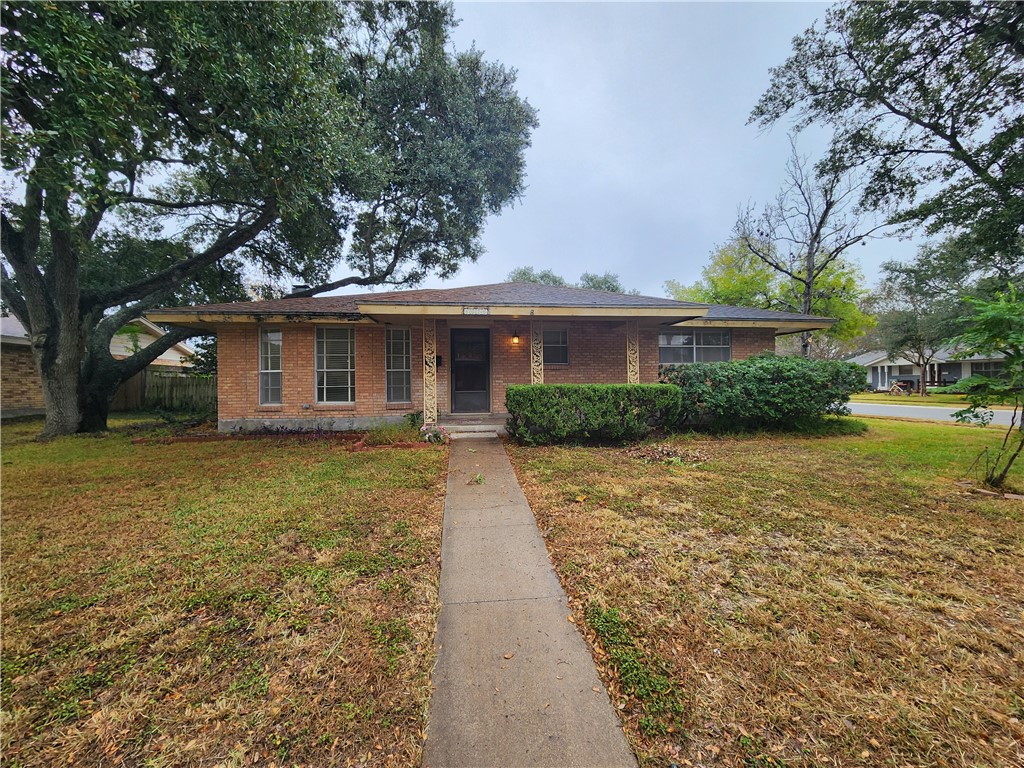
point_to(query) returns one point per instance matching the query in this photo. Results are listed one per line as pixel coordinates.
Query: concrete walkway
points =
(514, 683)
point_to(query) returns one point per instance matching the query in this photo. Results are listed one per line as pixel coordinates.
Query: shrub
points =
(573, 413)
(763, 392)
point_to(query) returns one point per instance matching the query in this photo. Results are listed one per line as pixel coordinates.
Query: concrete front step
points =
(480, 429)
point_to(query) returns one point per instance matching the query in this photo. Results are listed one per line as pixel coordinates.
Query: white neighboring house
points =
(20, 389)
(944, 370)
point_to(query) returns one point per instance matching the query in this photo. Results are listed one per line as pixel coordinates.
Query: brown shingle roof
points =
(495, 295)
(729, 312)
(498, 294)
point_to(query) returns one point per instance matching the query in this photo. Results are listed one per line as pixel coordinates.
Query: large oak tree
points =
(168, 152)
(927, 99)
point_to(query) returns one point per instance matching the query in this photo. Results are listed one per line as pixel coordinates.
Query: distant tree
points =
(918, 315)
(928, 100)
(812, 223)
(166, 151)
(606, 282)
(204, 361)
(732, 276)
(996, 326)
(736, 276)
(530, 275)
(609, 281)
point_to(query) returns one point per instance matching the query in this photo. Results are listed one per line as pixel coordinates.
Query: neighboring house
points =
(944, 370)
(342, 362)
(20, 390)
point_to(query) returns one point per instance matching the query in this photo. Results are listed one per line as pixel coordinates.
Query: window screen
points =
(398, 364)
(270, 367)
(714, 345)
(335, 365)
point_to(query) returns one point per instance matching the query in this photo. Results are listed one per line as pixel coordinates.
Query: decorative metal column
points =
(536, 352)
(429, 372)
(632, 352)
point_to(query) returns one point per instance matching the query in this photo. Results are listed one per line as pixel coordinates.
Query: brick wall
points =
(747, 342)
(597, 355)
(19, 382)
(238, 374)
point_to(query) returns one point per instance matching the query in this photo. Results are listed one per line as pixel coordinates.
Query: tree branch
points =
(227, 243)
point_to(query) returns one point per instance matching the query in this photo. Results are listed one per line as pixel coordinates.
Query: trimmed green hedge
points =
(573, 413)
(763, 392)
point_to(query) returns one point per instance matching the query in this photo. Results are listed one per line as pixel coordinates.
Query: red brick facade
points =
(747, 342)
(597, 355)
(20, 388)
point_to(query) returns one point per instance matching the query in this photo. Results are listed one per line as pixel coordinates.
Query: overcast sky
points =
(643, 154)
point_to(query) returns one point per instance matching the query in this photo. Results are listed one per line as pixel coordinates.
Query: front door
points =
(471, 370)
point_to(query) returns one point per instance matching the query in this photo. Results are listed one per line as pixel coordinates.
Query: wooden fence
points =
(168, 391)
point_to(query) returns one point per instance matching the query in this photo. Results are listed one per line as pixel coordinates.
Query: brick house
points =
(344, 362)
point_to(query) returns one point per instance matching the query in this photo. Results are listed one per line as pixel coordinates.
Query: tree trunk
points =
(58, 367)
(101, 376)
(96, 401)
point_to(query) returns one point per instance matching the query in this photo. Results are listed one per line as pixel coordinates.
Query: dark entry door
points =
(471, 370)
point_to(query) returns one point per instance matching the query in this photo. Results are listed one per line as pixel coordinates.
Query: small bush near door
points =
(764, 392)
(574, 413)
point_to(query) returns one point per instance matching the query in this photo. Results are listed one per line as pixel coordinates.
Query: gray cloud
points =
(643, 153)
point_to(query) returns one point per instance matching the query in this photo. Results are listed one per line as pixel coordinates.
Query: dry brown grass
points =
(770, 601)
(253, 602)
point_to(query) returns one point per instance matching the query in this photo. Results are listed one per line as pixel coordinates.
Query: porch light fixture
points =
(515, 337)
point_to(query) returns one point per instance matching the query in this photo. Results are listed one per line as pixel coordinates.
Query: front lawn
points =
(231, 603)
(773, 601)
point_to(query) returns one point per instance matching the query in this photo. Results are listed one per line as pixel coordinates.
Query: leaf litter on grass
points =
(815, 601)
(264, 601)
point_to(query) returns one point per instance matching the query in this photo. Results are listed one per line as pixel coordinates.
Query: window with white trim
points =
(335, 365)
(270, 367)
(697, 346)
(398, 364)
(990, 368)
(556, 347)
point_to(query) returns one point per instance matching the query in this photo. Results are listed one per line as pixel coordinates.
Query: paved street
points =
(932, 412)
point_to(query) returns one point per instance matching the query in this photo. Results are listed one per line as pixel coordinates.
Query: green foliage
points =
(763, 392)
(606, 282)
(176, 152)
(733, 276)
(928, 99)
(531, 275)
(575, 413)
(609, 281)
(204, 361)
(737, 277)
(920, 307)
(645, 678)
(996, 326)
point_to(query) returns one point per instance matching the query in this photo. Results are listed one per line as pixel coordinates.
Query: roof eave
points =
(782, 327)
(209, 320)
(528, 310)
